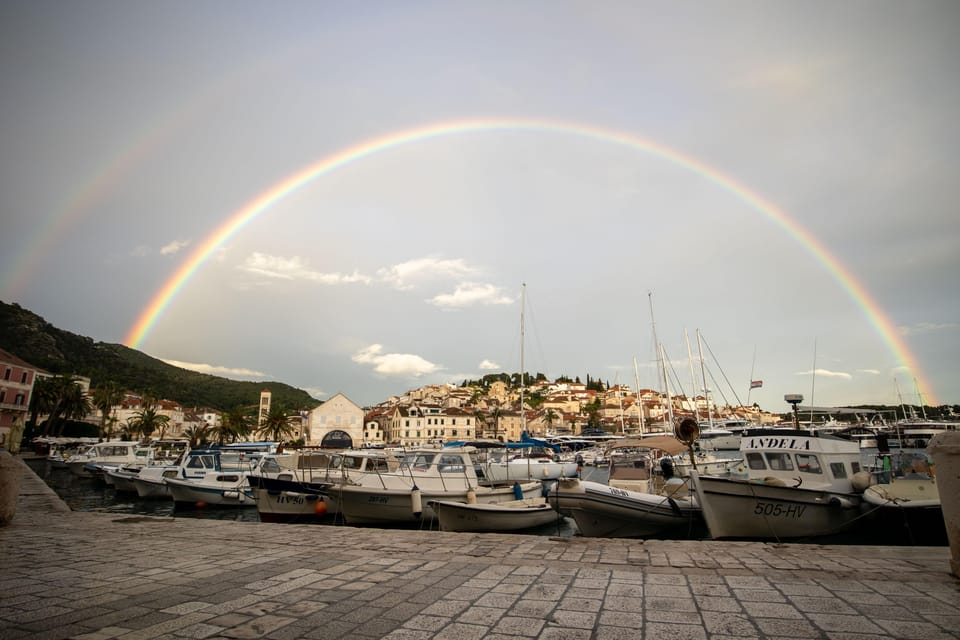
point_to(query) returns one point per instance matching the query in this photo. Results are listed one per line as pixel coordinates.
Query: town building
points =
(16, 385)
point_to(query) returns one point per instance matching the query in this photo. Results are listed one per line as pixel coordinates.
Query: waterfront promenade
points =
(96, 576)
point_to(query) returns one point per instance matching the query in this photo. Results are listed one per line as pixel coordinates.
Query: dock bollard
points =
(944, 448)
(10, 471)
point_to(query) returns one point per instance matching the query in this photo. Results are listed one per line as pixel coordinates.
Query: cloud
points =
(926, 327)
(468, 294)
(489, 365)
(394, 364)
(295, 268)
(872, 372)
(140, 251)
(216, 370)
(173, 247)
(826, 373)
(403, 275)
(316, 392)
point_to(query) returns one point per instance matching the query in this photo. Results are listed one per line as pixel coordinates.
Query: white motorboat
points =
(423, 475)
(111, 454)
(292, 488)
(800, 484)
(642, 498)
(499, 517)
(525, 462)
(197, 465)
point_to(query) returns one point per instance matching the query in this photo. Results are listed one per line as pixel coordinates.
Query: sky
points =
(366, 198)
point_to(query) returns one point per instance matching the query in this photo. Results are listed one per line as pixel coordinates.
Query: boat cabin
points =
(797, 457)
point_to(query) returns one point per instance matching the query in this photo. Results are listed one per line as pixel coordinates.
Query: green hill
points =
(30, 337)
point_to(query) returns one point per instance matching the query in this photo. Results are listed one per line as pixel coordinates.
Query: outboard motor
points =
(666, 468)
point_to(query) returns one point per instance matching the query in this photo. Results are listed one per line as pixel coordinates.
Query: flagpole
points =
(752, 368)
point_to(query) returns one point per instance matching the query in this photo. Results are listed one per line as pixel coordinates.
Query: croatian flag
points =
(755, 384)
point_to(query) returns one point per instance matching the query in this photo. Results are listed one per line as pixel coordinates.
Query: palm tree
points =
(197, 435)
(549, 417)
(43, 399)
(276, 425)
(71, 403)
(105, 397)
(234, 424)
(148, 420)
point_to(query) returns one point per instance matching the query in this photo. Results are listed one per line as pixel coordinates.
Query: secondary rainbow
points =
(262, 202)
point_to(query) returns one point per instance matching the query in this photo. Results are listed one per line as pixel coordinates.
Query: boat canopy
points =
(669, 444)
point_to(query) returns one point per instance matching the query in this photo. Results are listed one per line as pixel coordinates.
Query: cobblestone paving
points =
(97, 576)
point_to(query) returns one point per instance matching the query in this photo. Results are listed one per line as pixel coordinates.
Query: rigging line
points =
(722, 372)
(676, 378)
(716, 384)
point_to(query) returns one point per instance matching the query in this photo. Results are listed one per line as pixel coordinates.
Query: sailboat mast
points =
(636, 378)
(813, 381)
(923, 410)
(523, 307)
(693, 378)
(666, 381)
(703, 375)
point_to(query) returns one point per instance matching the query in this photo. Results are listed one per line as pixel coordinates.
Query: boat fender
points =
(546, 472)
(231, 495)
(861, 480)
(517, 491)
(843, 503)
(416, 503)
(471, 496)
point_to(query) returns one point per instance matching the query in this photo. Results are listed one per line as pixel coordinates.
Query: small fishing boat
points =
(498, 517)
(904, 507)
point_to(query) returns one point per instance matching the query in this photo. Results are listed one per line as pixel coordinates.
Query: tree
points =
(276, 425)
(105, 397)
(148, 420)
(71, 403)
(549, 417)
(234, 424)
(43, 399)
(197, 435)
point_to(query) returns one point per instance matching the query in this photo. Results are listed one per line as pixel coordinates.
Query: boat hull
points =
(187, 493)
(603, 511)
(515, 515)
(280, 500)
(372, 505)
(757, 511)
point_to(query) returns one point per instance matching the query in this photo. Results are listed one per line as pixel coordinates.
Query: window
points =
(23, 378)
(3, 396)
(808, 463)
(451, 464)
(19, 400)
(779, 461)
(838, 470)
(755, 460)
(6, 376)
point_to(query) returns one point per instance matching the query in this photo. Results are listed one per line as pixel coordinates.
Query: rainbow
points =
(266, 199)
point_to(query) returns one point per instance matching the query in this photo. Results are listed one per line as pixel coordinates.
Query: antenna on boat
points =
(795, 399)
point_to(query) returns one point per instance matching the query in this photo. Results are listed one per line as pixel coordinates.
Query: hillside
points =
(30, 337)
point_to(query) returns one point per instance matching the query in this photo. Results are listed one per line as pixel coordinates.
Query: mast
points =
(636, 377)
(667, 388)
(703, 375)
(900, 397)
(693, 378)
(523, 307)
(813, 381)
(623, 429)
(923, 410)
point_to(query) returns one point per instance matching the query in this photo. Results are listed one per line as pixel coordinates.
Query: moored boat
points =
(404, 495)
(801, 484)
(499, 517)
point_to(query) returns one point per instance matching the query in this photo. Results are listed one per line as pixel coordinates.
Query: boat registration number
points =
(619, 492)
(778, 510)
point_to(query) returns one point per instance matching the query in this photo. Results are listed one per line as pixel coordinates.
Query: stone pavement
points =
(94, 576)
